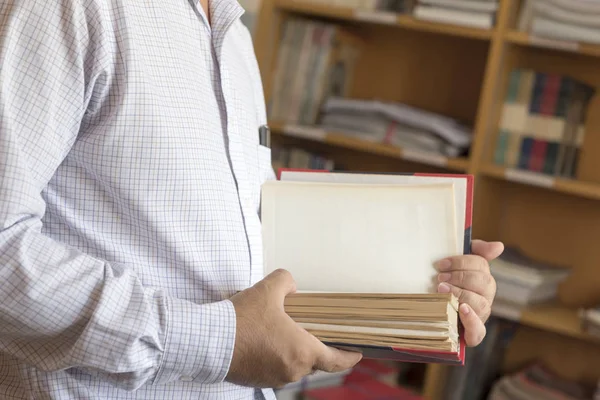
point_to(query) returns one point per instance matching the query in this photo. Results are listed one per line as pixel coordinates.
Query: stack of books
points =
(396, 124)
(590, 319)
(298, 158)
(470, 13)
(315, 60)
(566, 20)
(522, 281)
(543, 123)
(362, 250)
(536, 382)
(395, 6)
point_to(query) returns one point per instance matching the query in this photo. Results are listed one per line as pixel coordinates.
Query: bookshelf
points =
(379, 18)
(464, 73)
(523, 39)
(342, 141)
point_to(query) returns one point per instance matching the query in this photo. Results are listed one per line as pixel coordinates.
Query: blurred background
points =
(505, 90)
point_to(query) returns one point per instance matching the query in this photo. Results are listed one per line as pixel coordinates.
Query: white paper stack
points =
(522, 282)
(471, 13)
(396, 124)
(566, 20)
(590, 319)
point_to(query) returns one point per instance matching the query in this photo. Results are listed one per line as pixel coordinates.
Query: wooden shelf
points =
(344, 141)
(548, 317)
(525, 39)
(573, 187)
(381, 17)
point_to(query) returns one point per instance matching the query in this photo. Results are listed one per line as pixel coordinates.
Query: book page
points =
(358, 237)
(460, 189)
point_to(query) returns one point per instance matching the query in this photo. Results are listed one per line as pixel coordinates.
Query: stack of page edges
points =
(409, 321)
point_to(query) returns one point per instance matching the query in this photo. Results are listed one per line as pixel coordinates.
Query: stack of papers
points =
(471, 13)
(396, 124)
(522, 281)
(535, 383)
(570, 20)
(591, 321)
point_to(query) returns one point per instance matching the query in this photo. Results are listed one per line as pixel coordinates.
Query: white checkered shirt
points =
(130, 170)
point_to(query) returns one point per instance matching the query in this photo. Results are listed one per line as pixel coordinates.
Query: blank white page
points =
(460, 189)
(358, 237)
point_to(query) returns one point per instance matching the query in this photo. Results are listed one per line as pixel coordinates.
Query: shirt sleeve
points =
(62, 308)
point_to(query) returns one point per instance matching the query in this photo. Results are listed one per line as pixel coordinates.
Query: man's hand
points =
(271, 350)
(469, 278)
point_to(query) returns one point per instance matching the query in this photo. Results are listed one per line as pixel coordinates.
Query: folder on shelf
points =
(362, 249)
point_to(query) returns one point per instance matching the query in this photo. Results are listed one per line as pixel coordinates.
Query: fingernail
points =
(444, 265)
(443, 288)
(444, 277)
(465, 309)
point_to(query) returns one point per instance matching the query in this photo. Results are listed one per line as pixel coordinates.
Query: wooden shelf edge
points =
(525, 39)
(588, 190)
(341, 140)
(553, 318)
(383, 18)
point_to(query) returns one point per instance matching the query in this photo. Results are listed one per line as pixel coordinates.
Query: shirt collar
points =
(223, 13)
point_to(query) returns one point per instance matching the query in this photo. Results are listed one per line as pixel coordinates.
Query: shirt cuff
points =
(199, 342)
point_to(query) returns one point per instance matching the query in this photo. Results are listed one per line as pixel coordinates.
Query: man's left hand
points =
(469, 278)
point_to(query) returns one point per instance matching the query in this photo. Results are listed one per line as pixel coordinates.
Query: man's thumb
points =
(280, 281)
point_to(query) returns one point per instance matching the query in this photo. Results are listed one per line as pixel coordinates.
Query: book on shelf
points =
(542, 126)
(391, 6)
(362, 248)
(590, 321)
(396, 124)
(469, 13)
(298, 158)
(537, 382)
(522, 281)
(564, 20)
(315, 60)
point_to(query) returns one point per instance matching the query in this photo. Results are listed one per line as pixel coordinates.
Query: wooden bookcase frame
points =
(553, 219)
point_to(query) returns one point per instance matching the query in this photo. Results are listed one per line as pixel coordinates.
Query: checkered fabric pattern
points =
(130, 172)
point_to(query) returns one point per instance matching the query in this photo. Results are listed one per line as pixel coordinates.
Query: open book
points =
(362, 249)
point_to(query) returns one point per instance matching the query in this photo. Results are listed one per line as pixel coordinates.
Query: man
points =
(130, 172)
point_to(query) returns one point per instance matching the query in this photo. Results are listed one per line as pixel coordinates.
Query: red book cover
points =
(538, 155)
(410, 355)
(550, 94)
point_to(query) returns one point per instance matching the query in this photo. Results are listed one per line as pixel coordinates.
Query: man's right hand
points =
(271, 350)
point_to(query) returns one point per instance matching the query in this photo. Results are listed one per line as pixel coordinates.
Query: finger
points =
(280, 281)
(479, 282)
(487, 250)
(468, 262)
(474, 328)
(331, 359)
(477, 302)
